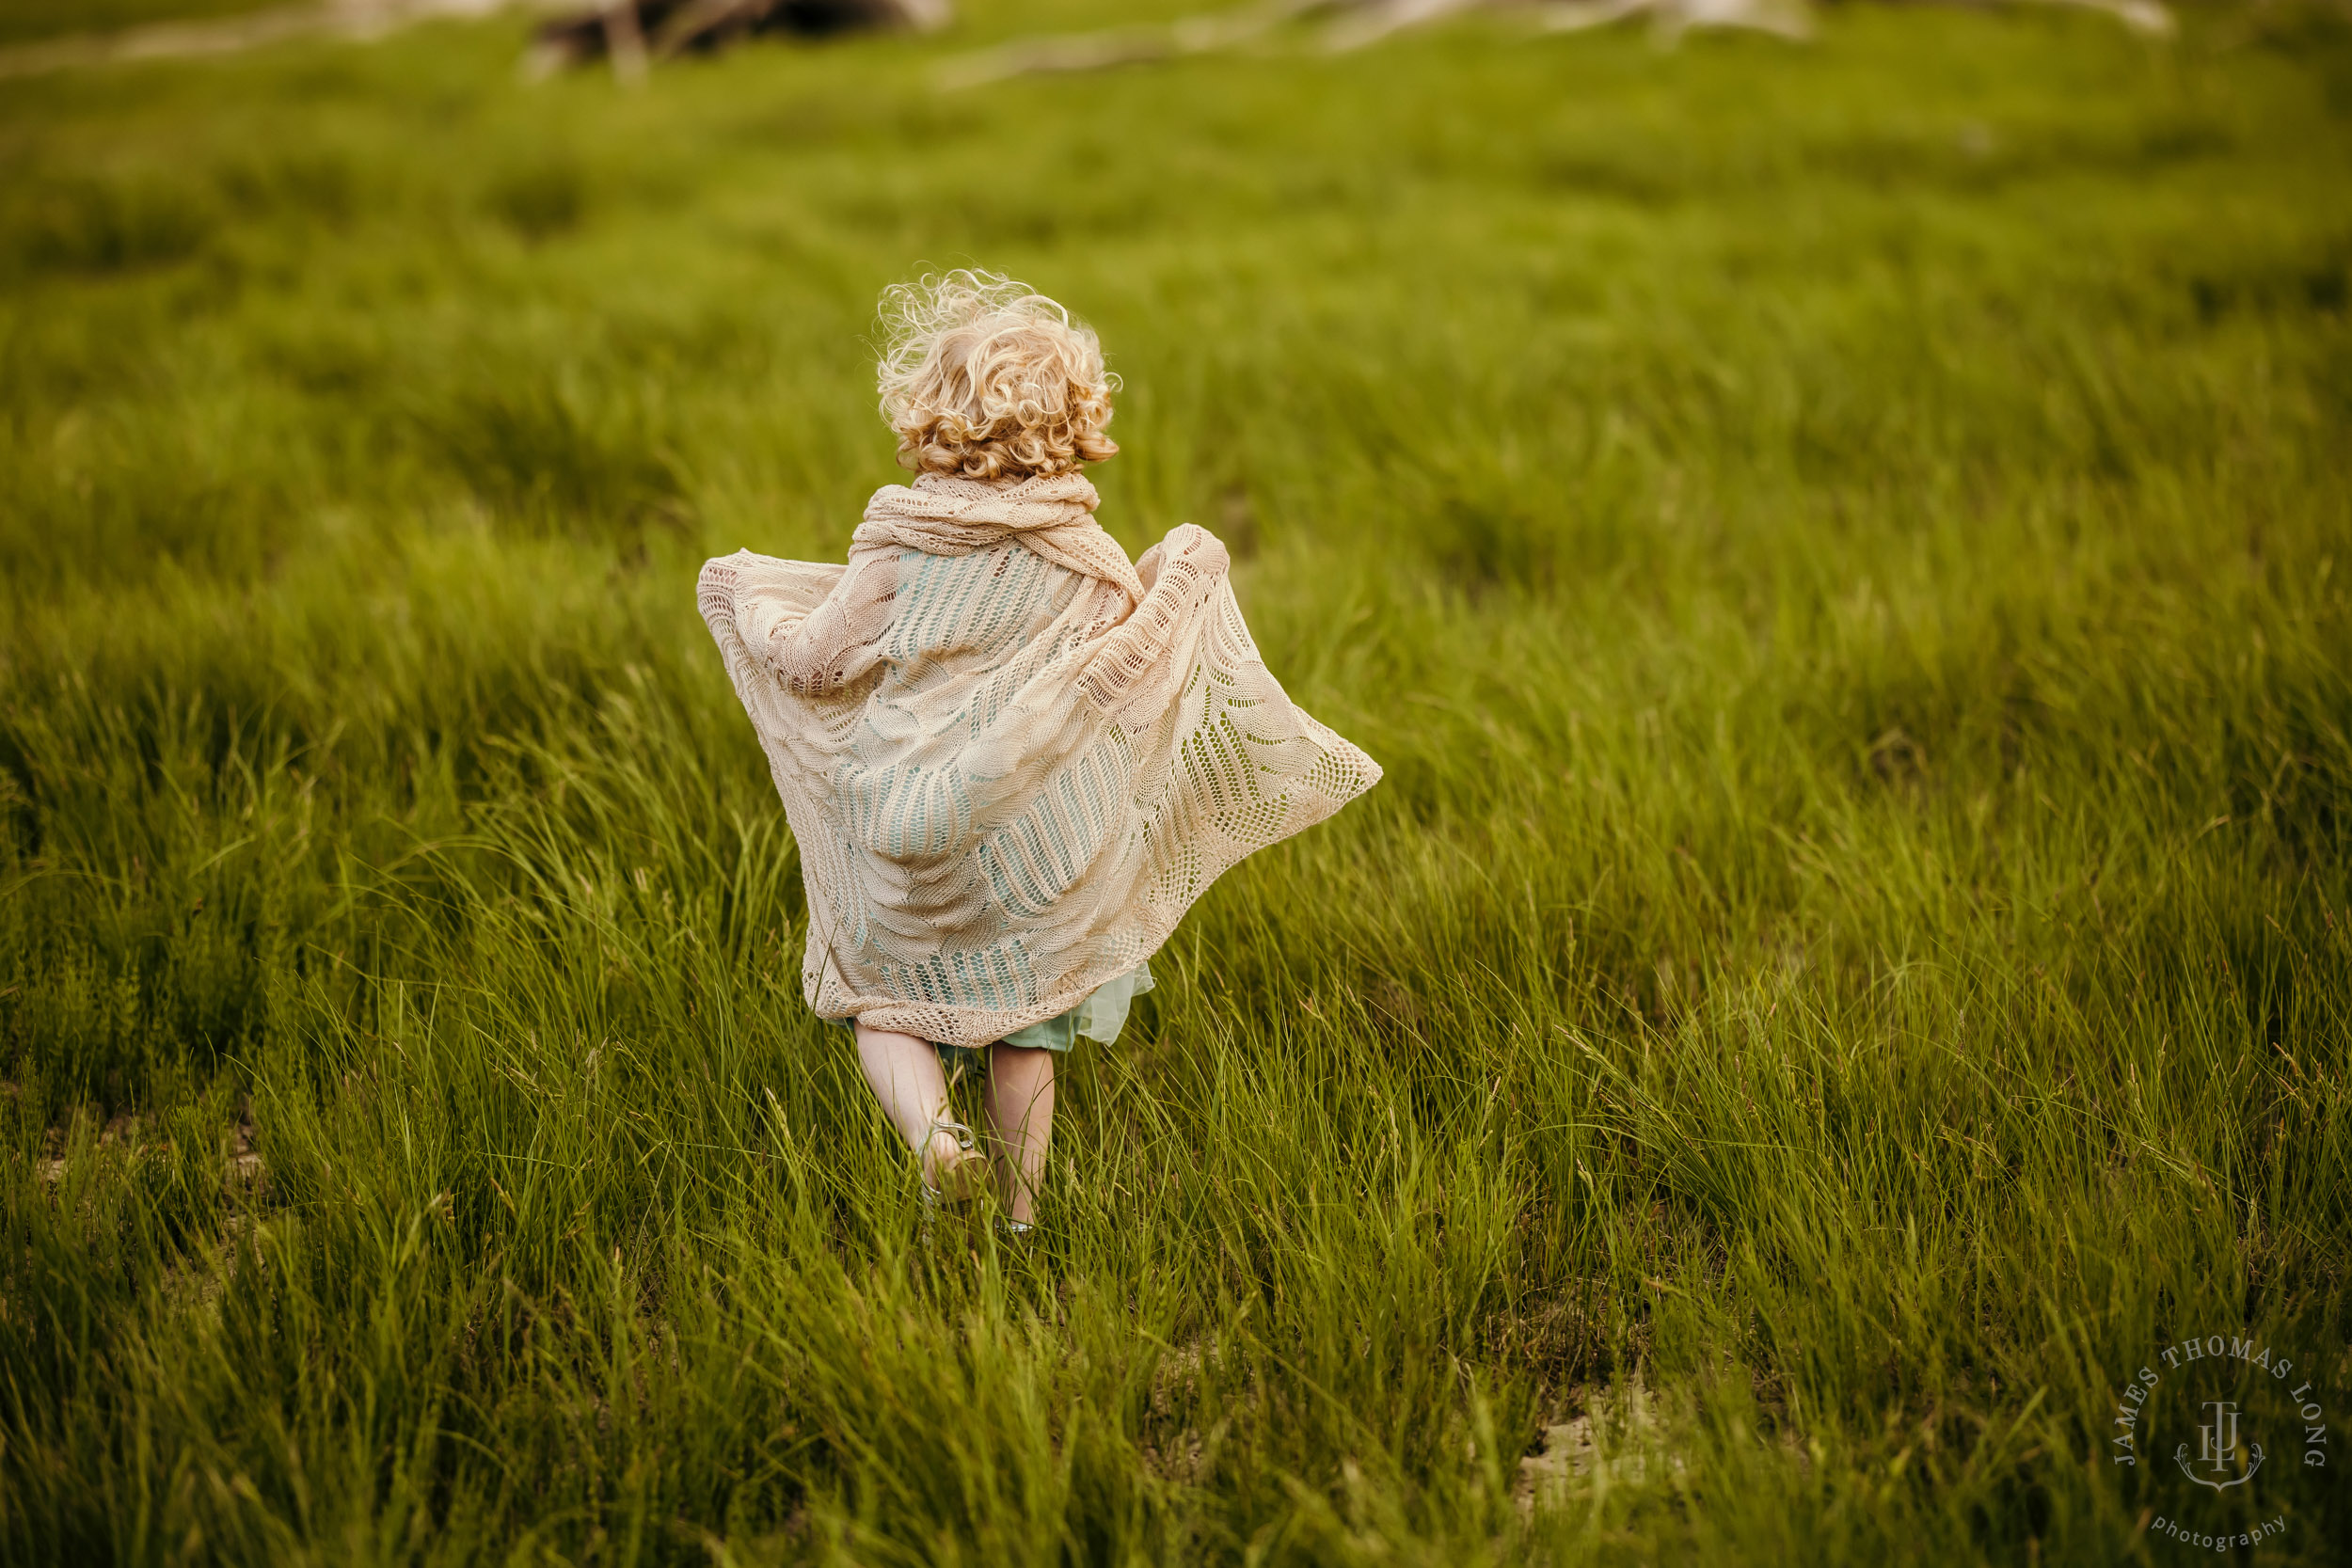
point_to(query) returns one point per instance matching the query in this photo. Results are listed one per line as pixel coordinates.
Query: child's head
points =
(983, 378)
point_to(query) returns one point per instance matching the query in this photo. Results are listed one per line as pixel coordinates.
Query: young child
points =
(1010, 757)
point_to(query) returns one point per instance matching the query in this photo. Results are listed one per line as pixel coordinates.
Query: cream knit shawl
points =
(1011, 759)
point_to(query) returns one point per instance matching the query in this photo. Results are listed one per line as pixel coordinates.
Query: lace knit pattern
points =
(1011, 759)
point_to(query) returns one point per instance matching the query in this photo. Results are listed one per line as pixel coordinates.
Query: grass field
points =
(1840, 549)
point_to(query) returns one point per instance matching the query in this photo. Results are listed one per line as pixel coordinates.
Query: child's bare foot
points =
(951, 1167)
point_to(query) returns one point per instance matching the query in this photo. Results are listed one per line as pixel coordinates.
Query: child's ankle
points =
(948, 1165)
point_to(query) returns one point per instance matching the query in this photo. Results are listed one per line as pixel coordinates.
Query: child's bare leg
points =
(1020, 1122)
(903, 1072)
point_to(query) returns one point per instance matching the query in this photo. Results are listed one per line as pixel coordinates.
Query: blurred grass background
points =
(1836, 548)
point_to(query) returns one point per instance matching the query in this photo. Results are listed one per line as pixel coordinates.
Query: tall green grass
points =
(1839, 551)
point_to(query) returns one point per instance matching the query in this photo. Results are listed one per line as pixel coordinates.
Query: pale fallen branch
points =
(1067, 52)
(1358, 23)
(619, 32)
(669, 27)
(1370, 21)
(2150, 17)
(171, 40)
(1355, 23)
(1789, 19)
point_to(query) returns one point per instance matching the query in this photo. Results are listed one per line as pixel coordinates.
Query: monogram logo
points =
(2218, 1447)
(2234, 1391)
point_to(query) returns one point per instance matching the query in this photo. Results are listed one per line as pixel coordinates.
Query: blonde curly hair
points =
(986, 378)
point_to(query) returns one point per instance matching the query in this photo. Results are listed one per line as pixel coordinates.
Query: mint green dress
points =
(1100, 1017)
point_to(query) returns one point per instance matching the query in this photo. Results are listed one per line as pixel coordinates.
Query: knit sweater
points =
(1011, 759)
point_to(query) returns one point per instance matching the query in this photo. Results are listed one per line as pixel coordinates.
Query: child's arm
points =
(1180, 575)
(812, 626)
(838, 642)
